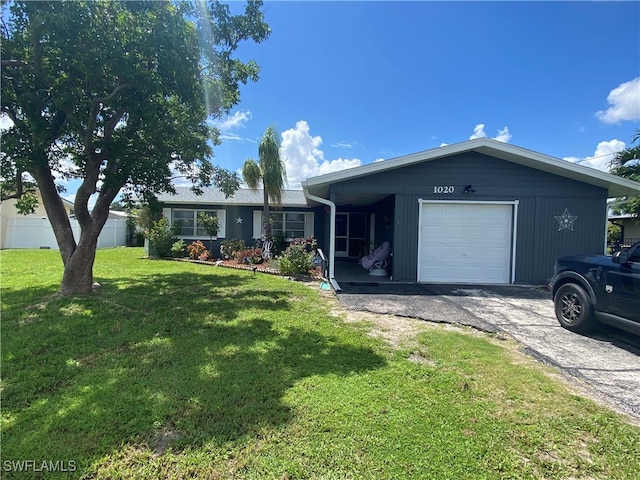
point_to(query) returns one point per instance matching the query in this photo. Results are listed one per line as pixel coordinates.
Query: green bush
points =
(178, 248)
(250, 256)
(310, 244)
(279, 244)
(296, 259)
(229, 249)
(161, 238)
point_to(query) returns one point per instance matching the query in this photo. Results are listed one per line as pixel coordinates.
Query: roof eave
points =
(615, 186)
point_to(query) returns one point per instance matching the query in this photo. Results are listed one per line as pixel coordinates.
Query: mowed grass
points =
(176, 370)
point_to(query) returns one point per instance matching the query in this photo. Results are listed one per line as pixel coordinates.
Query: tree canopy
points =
(118, 95)
(627, 164)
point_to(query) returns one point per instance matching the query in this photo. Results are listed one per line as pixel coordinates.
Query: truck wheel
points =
(573, 308)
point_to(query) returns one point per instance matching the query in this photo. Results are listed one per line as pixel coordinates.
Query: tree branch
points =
(17, 64)
(111, 124)
(88, 135)
(95, 105)
(19, 188)
(116, 91)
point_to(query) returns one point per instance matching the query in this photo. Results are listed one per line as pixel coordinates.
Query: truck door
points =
(622, 284)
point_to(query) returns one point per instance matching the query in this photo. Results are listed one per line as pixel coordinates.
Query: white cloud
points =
(5, 123)
(624, 101)
(346, 144)
(378, 160)
(234, 137)
(503, 135)
(601, 158)
(303, 158)
(236, 121)
(478, 132)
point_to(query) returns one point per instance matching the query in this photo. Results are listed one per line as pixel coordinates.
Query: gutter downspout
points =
(332, 235)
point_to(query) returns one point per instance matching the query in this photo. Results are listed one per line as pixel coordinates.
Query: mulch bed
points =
(259, 267)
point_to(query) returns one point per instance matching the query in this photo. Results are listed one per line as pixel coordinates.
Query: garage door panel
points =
(465, 243)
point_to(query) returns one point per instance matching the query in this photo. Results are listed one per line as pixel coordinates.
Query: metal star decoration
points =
(239, 220)
(566, 220)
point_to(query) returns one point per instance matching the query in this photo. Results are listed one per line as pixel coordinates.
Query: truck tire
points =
(574, 309)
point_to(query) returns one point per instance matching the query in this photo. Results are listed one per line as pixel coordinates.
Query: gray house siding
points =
(588, 235)
(233, 229)
(541, 197)
(384, 214)
(244, 230)
(405, 240)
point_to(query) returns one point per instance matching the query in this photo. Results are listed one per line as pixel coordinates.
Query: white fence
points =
(37, 233)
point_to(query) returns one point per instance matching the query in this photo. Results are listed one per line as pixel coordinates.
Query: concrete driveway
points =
(604, 364)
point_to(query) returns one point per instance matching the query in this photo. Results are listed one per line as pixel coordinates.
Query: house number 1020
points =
(441, 189)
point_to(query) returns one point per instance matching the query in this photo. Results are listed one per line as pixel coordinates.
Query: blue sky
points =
(350, 83)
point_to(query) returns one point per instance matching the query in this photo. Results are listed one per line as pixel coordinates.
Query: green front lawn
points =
(178, 370)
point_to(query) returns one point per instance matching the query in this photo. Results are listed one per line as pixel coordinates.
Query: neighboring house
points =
(476, 212)
(27, 231)
(629, 228)
(34, 230)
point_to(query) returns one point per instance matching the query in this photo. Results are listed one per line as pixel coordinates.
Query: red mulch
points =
(260, 267)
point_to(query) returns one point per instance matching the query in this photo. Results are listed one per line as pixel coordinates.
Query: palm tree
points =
(626, 164)
(270, 170)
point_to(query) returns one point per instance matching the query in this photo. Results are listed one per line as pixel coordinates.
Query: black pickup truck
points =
(588, 289)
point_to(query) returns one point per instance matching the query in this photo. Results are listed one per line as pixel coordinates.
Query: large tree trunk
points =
(77, 258)
(78, 268)
(55, 211)
(77, 278)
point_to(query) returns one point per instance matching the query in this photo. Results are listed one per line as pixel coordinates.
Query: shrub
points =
(211, 224)
(197, 251)
(250, 256)
(177, 249)
(161, 238)
(296, 259)
(310, 244)
(279, 244)
(230, 248)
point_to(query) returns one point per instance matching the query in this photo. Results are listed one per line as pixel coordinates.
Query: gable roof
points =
(242, 197)
(616, 186)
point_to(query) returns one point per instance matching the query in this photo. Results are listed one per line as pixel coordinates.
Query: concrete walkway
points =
(605, 364)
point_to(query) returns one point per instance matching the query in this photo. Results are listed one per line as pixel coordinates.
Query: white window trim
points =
(308, 223)
(221, 214)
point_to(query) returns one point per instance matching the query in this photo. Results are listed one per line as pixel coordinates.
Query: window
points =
(187, 223)
(289, 224)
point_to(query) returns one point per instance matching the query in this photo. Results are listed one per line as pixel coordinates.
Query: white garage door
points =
(465, 243)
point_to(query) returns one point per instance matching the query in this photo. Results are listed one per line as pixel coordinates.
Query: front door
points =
(342, 234)
(351, 232)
